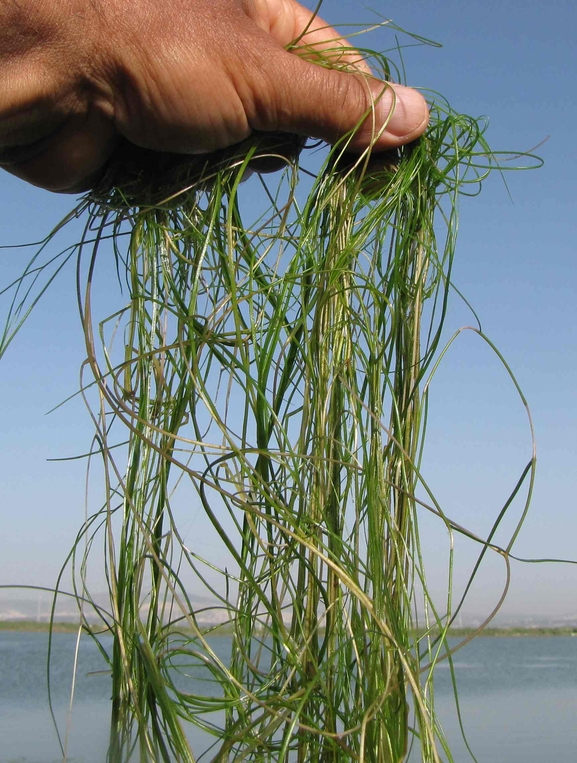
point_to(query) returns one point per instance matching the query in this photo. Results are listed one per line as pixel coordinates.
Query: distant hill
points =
(35, 606)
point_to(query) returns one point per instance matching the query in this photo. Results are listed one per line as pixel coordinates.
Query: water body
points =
(518, 699)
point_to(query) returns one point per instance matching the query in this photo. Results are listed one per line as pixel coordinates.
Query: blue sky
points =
(515, 63)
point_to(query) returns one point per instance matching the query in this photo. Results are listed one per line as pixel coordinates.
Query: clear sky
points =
(512, 61)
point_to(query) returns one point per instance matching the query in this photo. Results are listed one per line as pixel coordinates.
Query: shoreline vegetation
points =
(33, 626)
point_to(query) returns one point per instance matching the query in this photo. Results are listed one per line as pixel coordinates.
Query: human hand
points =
(182, 76)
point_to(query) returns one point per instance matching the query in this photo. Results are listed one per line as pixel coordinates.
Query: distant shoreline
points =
(32, 626)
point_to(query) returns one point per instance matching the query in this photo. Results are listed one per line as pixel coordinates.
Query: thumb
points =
(308, 99)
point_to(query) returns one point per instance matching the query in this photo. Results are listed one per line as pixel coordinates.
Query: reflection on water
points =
(518, 699)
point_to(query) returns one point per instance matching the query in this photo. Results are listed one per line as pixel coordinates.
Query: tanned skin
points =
(185, 76)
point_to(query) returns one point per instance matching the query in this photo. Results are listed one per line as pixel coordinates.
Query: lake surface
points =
(518, 700)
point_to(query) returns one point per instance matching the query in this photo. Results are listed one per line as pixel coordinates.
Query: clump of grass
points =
(273, 374)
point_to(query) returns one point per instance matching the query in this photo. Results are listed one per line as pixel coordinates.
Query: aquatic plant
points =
(259, 407)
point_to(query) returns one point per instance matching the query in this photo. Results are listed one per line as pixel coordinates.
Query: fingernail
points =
(410, 112)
